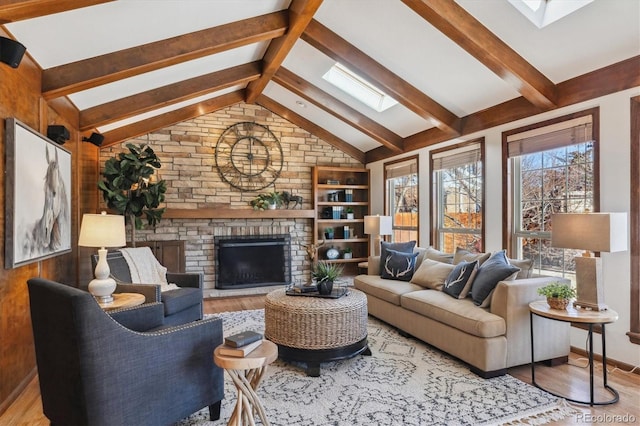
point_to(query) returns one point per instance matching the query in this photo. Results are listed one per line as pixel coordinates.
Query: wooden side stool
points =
(246, 374)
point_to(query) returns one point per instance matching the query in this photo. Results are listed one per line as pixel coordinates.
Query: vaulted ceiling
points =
(455, 67)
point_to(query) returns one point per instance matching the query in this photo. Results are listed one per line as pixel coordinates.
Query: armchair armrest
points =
(511, 300)
(151, 292)
(140, 318)
(185, 279)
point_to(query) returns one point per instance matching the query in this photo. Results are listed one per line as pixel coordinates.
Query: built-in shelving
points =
(330, 188)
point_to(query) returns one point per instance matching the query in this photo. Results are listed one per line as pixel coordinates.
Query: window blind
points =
(456, 157)
(572, 132)
(402, 168)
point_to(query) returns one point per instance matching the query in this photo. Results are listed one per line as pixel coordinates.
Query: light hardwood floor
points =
(568, 379)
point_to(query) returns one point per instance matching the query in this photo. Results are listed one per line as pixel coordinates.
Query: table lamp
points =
(592, 232)
(102, 230)
(377, 226)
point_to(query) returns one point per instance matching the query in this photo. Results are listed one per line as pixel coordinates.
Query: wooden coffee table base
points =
(314, 357)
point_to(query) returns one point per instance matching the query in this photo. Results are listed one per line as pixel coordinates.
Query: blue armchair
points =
(94, 370)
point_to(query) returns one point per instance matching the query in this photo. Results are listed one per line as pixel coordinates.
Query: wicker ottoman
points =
(313, 330)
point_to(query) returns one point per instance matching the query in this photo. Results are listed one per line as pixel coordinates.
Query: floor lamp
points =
(377, 226)
(102, 230)
(592, 232)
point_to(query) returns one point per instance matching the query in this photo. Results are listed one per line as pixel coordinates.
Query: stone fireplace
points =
(252, 261)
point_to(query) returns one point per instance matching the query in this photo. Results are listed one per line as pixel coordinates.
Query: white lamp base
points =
(102, 290)
(103, 286)
(589, 284)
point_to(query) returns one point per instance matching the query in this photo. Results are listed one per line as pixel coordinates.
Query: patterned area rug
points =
(404, 382)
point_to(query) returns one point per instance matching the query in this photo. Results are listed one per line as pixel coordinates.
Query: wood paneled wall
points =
(20, 98)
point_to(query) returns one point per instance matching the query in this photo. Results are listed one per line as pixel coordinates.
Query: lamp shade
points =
(102, 230)
(599, 232)
(378, 225)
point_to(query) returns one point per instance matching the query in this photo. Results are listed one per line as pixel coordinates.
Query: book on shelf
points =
(241, 351)
(241, 339)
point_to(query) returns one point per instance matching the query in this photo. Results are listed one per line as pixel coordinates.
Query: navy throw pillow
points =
(495, 269)
(460, 279)
(401, 247)
(398, 266)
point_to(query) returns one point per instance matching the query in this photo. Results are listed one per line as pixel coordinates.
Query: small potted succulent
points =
(347, 253)
(350, 214)
(325, 274)
(328, 233)
(558, 294)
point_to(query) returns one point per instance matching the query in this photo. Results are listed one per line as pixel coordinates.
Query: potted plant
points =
(325, 274)
(350, 214)
(557, 294)
(328, 233)
(128, 187)
(347, 253)
(268, 200)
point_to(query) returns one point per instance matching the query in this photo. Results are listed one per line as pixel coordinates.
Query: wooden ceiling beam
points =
(300, 14)
(342, 51)
(21, 10)
(310, 127)
(611, 79)
(338, 109)
(177, 92)
(466, 31)
(88, 73)
(143, 127)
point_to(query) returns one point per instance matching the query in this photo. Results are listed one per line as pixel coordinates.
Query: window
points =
(554, 169)
(458, 197)
(401, 197)
(359, 88)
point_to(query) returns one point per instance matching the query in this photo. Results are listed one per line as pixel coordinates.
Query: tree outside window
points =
(401, 196)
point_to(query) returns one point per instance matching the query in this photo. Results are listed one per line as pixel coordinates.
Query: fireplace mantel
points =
(226, 213)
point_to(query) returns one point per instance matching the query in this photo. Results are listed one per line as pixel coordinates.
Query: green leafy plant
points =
(557, 290)
(263, 201)
(348, 250)
(128, 188)
(324, 271)
(349, 210)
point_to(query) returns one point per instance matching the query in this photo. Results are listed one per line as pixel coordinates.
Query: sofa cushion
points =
(495, 269)
(438, 255)
(401, 247)
(432, 274)
(458, 313)
(525, 265)
(180, 299)
(387, 290)
(398, 265)
(463, 255)
(459, 281)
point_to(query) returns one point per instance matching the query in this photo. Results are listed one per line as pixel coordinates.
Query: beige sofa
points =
(489, 339)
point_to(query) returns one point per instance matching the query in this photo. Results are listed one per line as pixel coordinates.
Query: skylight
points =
(545, 12)
(357, 87)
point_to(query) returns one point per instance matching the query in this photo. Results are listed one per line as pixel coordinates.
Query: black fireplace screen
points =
(252, 261)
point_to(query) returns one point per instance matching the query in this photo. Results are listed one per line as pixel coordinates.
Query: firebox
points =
(252, 261)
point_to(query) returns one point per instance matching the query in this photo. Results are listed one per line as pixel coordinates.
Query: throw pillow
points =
(401, 247)
(438, 255)
(398, 266)
(432, 274)
(459, 281)
(495, 269)
(525, 265)
(463, 255)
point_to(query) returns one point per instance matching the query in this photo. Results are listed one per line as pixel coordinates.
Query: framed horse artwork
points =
(37, 196)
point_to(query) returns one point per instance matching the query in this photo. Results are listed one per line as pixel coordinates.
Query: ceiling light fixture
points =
(301, 104)
(357, 87)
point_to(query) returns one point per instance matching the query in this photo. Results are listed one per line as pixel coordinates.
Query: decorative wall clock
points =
(249, 156)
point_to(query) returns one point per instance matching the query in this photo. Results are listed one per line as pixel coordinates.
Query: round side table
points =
(583, 316)
(123, 300)
(246, 373)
